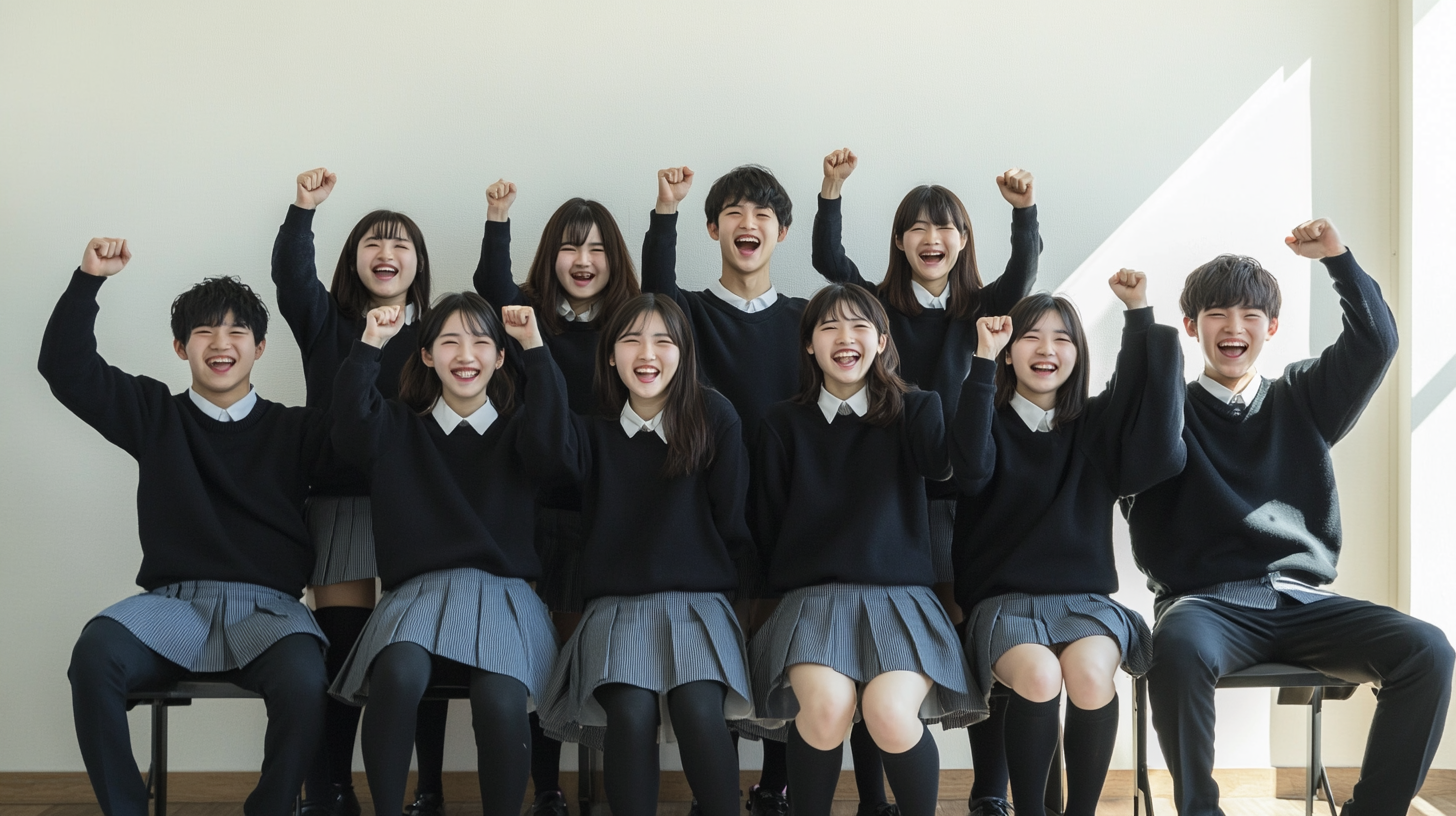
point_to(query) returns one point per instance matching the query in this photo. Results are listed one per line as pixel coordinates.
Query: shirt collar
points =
(409, 313)
(758, 304)
(1225, 395)
(829, 404)
(232, 413)
(631, 423)
(480, 421)
(929, 301)
(564, 309)
(1035, 418)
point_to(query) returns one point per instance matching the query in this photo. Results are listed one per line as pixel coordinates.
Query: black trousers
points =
(108, 661)
(1197, 641)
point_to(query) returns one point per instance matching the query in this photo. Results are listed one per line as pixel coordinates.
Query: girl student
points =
(840, 516)
(581, 275)
(665, 483)
(1040, 465)
(384, 262)
(452, 461)
(933, 293)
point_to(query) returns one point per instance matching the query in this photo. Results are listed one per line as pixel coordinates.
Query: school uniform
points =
(225, 556)
(935, 349)
(1238, 546)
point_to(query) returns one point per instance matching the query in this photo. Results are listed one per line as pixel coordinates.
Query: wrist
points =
(666, 207)
(1134, 305)
(985, 353)
(831, 188)
(532, 343)
(303, 203)
(374, 340)
(497, 214)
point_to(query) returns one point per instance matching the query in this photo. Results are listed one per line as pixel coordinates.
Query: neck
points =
(464, 407)
(1045, 401)
(223, 399)
(842, 390)
(400, 300)
(579, 305)
(647, 407)
(935, 287)
(1234, 384)
(747, 285)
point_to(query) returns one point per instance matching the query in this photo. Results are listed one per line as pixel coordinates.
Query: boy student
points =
(1238, 545)
(222, 477)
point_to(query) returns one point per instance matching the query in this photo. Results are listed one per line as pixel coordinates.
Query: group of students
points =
(747, 514)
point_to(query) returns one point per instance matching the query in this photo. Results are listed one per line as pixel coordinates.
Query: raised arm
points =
(827, 253)
(1018, 188)
(302, 299)
(553, 443)
(972, 445)
(362, 416)
(493, 273)
(659, 247)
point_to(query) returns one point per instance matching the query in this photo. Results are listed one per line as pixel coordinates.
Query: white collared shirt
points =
(233, 413)
(409, 313)
(1037, 420)
(565, 310)
(631, 423)
(480, 421)
(1246, 394)
(758, 304)
(829, 404)
(929, 301)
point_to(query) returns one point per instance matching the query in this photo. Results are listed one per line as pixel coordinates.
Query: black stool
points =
(1297, 686)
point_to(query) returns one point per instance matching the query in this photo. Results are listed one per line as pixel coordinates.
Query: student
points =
(933, 294)
(1040, 465)
(839, 512)
(581, 275)
(452, 462)
(665, 483)
(222, 478)
(1238, 545)
(384, 262)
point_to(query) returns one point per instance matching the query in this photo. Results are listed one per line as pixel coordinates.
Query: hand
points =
(837, 167)
(313, 187)
(499, 197)
(672, 187)
(520, 323)
(105, 257)
(383, 323)
(1016, 187)
(1316, 239)
(992, 335)
(1131, 287)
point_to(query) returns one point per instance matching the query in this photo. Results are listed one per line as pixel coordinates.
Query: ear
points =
(181, 349)
(500, 359)
(899, 244)
(258, 352)
(713, 230)
(427, 358)
(1273, 327)
(884, 338)
(1190, 325)
(809, 349)
(783, 233)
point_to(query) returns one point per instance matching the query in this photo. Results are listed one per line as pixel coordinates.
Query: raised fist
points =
(1131, 287)
(1016, 187)
(105, 257)
(499, 197)
(673, 184)
(520, 322)
(313, 187)
(1315, 239)
(992, 335)
(837, 167)
(383, 323)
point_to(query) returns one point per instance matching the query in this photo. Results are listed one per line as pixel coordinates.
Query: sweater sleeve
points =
(552, 444)
(659, 260)
(1001, 294)
(303, 301)
(828, 246)
(118, 405)
(972, 445)
(925, 433)
(727, 479)
(493, 273)
(771, 481)
(361, 414)
(1336, 387)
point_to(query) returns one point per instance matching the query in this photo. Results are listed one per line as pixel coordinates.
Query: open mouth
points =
(220, 364)
(385, 271)
(746, 245)
(1044, 369)
(465, 374)
(646, 374)
(582, 279)
(1232, 349)
(931, 257)
(846, 358)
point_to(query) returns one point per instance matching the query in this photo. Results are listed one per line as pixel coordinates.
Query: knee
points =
(629, 709)
(825, 716)
(1088, 687)
(296, 681)
(1180, 653)
(94, 660)
(498, 705)
(1431, 653)
(894, 724)
(1040, 682)
(402, 671)
(696, 705)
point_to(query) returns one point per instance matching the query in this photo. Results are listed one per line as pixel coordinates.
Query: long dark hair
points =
(846, 301)
(350, 293)
(571, 224)
(1072, 395)
(940, 206)
(685, 415)
(419, 385)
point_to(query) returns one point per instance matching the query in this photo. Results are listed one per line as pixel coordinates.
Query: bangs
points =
(578, 226)
(843, 309)
(938, 204)
(389, 231)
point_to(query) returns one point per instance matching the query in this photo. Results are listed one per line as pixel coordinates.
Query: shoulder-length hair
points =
(846, 301)
(349, 291)
(941, 207)
(1072, 395)
(569, 226)
(685, 415)
(419, 384)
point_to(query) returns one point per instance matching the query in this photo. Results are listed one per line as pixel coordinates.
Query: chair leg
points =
(1140, 745)
(1316, 763)
(585, 779)
(158, 777)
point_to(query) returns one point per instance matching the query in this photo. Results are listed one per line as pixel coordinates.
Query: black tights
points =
(397, 681)
(630, 768)
(814, 774)
(430, 752)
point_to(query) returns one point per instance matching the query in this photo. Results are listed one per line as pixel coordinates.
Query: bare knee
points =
(825, 713)
(1088, 687)
(895, 725)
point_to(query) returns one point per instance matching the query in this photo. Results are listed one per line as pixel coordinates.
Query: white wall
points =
(181, 126)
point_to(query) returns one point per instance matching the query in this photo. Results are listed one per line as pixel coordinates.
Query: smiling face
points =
(464, 362)
(932, 250)
(221, 358)
(386, 263)
(1231, 339)
(646, 358)
(747, 234)
(845, 345)
(582, 269)
(1044, 358)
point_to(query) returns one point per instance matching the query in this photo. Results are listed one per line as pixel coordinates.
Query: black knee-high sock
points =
(545, 759)
(630, 768)
(334, 763)
(430, 746)
(775, 774)
(1087, 746)
(988, 753)
(1031, 741)
(813, 774)
(708, 759)
(869, 772)
(915, 776)
(502, 741)
(397, 680)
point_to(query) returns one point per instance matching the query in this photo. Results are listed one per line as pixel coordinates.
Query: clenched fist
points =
(105, 257)
(313, 187)
(992, 335)
(1016, 187)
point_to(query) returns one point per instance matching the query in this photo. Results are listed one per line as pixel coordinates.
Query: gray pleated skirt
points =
(213, 626)
(862, 631)
(466, 615)
(342, 529)
(996, 624)
(657, 642)
(559, 537)
(942, 533)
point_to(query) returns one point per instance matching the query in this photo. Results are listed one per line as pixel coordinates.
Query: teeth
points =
(466, 373)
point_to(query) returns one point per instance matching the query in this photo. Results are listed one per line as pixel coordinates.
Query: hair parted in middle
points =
(419, 384)
(570, 225)
(349, 291)
(848, 301)
(1072, 395)
(1228, 281)
(941, 207)
(753, 183)
(685, 416)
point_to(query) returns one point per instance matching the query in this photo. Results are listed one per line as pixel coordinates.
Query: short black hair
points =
(1228, 281)
(208, 304)
(752, 183)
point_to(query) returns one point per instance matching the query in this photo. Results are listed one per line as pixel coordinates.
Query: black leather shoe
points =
(766, 802)
(991, 806)
(426, 804)
(549, 803)
(340, 801)
(881, 809)
(695, 809)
